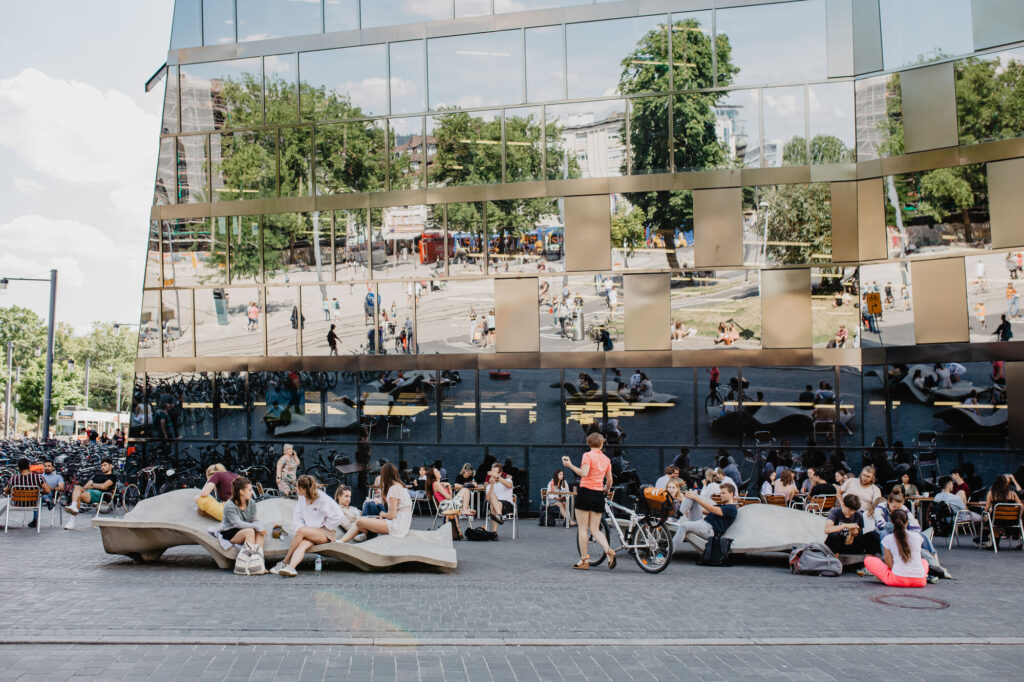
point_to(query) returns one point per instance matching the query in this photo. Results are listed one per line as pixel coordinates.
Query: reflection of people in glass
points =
(287, 469)
(297, 319)
(332, 341)
(375, 341)
(283, 402)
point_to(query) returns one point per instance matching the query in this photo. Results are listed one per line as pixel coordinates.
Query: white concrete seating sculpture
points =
(965, 419)
(170, 520)
(959, 390)
(766, 528)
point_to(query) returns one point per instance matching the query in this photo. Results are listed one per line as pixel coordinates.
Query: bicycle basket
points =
(657, 501)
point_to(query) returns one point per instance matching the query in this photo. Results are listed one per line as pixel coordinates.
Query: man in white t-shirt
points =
(499, 496)
(957, 501)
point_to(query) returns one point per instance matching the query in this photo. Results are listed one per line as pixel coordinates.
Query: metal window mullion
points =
(260, 248)
(561, 402)
(543, 143)
(387, 77)
(323, 17)
(446, 262)
(628, 141)
(476, 402)
(387, 155)
(670, 102)
(208, 153)
(807, 134)
(423, 170)
(714, 49)
(504, 151)
(298, 321)
(215, 399)
(195, 335)
(696, 411)
(522, 35)
(234, 8)
(739, 406)
(248, 402)
(760, 123)
(888, 404)
(359, 23)
(839, 405)
(485, 244)
(264, 292)
(437, 400)
(334, 231)
(277, 164)
(227, 245)
(368, 236)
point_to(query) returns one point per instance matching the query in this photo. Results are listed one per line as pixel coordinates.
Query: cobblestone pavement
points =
(512, 610)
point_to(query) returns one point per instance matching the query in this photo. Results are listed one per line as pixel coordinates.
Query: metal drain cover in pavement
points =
(909, 601)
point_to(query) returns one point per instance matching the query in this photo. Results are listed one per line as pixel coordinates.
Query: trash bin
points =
(220, 306)
(577, 324)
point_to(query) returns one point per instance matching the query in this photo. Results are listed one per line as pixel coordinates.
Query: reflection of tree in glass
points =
(799, 221)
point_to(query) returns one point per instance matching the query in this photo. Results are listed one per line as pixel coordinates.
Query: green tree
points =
(66, 390)
(799, 222)
(628, 225)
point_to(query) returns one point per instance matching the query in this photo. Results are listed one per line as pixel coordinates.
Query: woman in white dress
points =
(397, 519)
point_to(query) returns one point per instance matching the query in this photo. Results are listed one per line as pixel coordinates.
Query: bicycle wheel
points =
(597, 555)
(714, 400)
(653, 547)
(130, 497)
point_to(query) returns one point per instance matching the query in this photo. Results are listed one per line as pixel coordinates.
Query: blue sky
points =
(78, 145)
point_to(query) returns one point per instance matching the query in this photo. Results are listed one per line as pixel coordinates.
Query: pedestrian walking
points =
(332, 341)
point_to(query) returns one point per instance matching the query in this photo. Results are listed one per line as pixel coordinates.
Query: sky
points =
(78, 147)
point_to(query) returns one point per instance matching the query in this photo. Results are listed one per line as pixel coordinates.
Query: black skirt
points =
(590, 500)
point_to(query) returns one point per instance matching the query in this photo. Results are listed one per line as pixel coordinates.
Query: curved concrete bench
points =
(964, 419)
(170, 520)
(767, 528)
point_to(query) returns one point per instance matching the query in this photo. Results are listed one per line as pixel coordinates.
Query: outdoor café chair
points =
(961, 520)
(1004, 517)
(777, 500)
(24, 498)
(820, 504)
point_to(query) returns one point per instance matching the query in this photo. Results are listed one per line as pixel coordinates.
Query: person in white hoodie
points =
(316, 517)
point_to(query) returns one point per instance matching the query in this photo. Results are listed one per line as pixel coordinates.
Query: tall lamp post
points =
(48, 393)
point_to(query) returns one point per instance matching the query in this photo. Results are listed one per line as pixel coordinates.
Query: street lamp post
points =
(48, 392)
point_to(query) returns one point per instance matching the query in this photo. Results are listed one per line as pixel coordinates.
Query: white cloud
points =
(784, 106)
(75, 132)
(35, 236)
(27, 186)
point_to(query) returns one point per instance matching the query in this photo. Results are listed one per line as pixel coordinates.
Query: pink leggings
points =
(880, 570)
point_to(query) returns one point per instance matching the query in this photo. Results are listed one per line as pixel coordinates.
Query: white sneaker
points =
(287, 572)
(70, 525)
(277, 569)
(359, 538)
(71, 509)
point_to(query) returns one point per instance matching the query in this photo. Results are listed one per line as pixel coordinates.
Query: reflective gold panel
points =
(647, 315)
(588, 233)
(1006, 202)
(871, 220)
(517, 322)
(718, 227)
(940, 301)
(844, 222)
(786, 308)
(929, 108)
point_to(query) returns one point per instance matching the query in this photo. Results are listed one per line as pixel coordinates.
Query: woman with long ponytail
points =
(903, 565)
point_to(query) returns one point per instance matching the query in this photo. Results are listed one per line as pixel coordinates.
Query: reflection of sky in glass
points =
(917, 31)
(738, 126)
(355, 72)
(596, 50)
(388, 12)
(261, 19)
(407, 79)
(280, 67)
(503, 6)
(341, 15)
(472, 8)
(218, 22)
(186, 28)
(783, 120)
(832, 111)
(544, 61)
(776, 43)
(475, 70)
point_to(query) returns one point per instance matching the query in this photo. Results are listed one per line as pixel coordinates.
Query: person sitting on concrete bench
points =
(349, 514)
(220, 479)
(671, 474)
(240, 525)
(92, 491)
(26, 478)
(844, 529)
(316, 519)
(717, 519)
(398, 517)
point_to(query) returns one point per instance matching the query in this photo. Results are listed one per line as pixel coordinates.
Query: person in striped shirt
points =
(27, 477)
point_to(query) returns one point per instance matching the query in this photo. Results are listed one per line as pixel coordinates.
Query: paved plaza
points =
(513, 610)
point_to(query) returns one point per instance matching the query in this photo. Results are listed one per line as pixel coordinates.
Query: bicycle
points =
(714, 401)
(646, 538)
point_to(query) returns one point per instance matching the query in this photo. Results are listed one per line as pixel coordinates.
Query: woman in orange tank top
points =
(595, 472)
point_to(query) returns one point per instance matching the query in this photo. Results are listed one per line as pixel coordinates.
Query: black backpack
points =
(479, 534)
(548, 517)
(940, 516)
(717, 552)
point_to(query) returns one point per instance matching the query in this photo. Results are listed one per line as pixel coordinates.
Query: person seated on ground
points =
(768, 486)
(240, 525)
(957, 500)
(441, 490)
(671, 473)
(557, 487)
(28, 479)
(499, 496)
(806, 398)
(903, 565)
(943, 379)
(316, 518)
(679, 331)
(717, 517)
(586, 383)
(906, 485)
(220, 479)
(92, 492)
(398, 517)
(820, 484)
(918, 381)
(999, 493)
(466, 477)
(864, 488)
(844, 529)
(785, 486)
(349, 514)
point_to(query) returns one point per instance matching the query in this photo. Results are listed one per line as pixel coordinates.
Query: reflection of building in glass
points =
(596, 144)
(871, 116)
(731, 129)
(412, 146)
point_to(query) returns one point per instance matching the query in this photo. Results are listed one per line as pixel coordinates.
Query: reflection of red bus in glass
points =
(431, 247)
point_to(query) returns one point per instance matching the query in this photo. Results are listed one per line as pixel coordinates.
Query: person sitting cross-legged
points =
(499, 496)
(903, 565)
(92, 491)
(717, 518)
(844, 529)
(27, 478)
(316, 518)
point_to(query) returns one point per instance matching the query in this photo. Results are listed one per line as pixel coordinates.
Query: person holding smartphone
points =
(595, 472)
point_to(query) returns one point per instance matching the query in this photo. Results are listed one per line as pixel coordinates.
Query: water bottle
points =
(318, 565)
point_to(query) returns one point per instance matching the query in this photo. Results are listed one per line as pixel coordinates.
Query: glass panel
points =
(290, 252)
(522, 144)
(985, 85)
(797, 221)
(389, 12)
(346, 83)
(338, 306)
(170, 113)
(244, 165)
(617, 56)
(573, 311)
(835, 314)
(284, 321)
(737, 125)
(149, 325)
(523, 409)
(691, 52)
(716, 309)
(472, 8)
(545, 64)
(460, 320)
(195, 391)
(244, 234)
(651, 406)
(468, 148)
(879, 123)
(396, 313)
(718, 390)
(785, 143)
(413, 238)
(341, 15)
(228, 322)
(263, 19)
(648, 135)
(407, 152)
(281, 88)
(458, 407)
(790, 403)
(153, 276)
(286, 406)
(217, 95)
(350, 255)
(466, 239)
(350, 157)
(218, 22)
(165, 172)
(193, 254)
(296, 171)
(832, 123)
(525, 235)
(792, 32)
(192, 182)
(408, 75)
(475, 70)
(852, 431)
(895, 326)
(992, 293)
(921, 31)
(176, 319)
(639, 244)
(585, 139)
(503, 6)
(186, 27)
(231, 406)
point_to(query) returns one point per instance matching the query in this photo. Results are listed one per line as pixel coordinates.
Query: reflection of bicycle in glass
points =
(715, 400)
(594, 331)
(646, 538)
